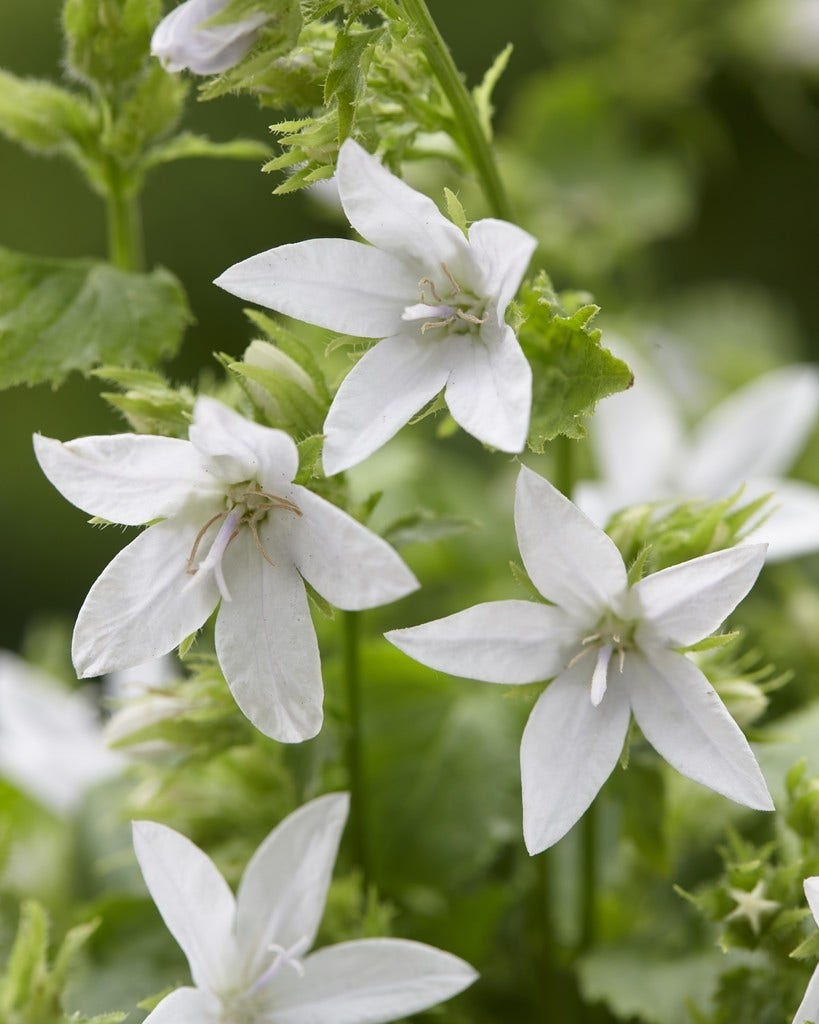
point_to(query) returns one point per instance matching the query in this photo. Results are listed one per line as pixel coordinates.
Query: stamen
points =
(191, 570)
(227, 532)
(578, 656)
(259, 546)
(455, 286)
(470, 318)
(427, 282)
(600, 675)
(432, 324)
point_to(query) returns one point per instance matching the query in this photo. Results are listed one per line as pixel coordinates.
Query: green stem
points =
(563, 449)
(443, 67)
(355, 760)
(124, 226)
(588, 879)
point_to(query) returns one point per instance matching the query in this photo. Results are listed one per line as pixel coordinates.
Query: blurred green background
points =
(652, 147)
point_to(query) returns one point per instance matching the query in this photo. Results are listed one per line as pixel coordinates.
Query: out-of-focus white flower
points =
(644, 454)
(183, 39)
(231, 526)
(808, 1012)
(435, 297)
(51, 744)
(247, 953)
(798, 32)
(614, 651)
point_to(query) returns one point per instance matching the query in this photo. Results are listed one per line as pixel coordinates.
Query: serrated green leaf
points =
(455, 210)
(711, 643)
(571, 369)
(62, 315)
(352, 54)
(310, 449)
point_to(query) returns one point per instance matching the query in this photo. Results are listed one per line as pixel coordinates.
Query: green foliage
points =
(147, 401)
(62, 315)
(32, 986)
(46, 118)
(107, 40)
(659, 536)
(571, 369)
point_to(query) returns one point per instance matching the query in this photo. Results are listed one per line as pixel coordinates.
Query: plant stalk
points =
(443, 66)
(355, 762)
(124, 226)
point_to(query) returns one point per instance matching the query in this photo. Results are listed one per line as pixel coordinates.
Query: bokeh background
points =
(656, 149)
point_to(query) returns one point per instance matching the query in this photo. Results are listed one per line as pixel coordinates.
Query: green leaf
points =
(62, 315)
(108, 41)
(571, 369)
(424, 527)
(47, 119)
(26, 970)
(186, 145)
(310, 449)
(147, 401)
(348, 69)
(482, 94)
(455, 210)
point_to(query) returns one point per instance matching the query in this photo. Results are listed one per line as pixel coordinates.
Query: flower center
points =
(248, 505)
(445, 305)
(612, 636)
(250, 1004)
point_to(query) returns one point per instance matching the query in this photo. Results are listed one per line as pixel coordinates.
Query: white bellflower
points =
(436, 298)
(247, 953)
(226, 523)
(614, 652)
(183, 39)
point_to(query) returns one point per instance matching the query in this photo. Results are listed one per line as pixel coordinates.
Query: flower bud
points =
(183, 39)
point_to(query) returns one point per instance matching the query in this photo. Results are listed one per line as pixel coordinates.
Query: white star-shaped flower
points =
(183, 39)
(751, 439)
(808, 1012)
(233, 526)
(751, 906)
(436, 298)
(51, 741)
(245, 953)
(614, 652)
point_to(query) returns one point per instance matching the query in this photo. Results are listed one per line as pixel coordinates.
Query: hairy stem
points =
(443, 66)
(355, 765)
(124, 226)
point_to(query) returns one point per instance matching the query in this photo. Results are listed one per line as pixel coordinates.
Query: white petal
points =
(498, 642)
(349, 565)
(570, 560)
(686, 602)
(330, 282)
(792, 529)
(683, 718)
(144, 604)
(238, 449)
(811, 886)
(181, 40)
(489, 389)
(637, 437)
(756, 432)
(808, 1012)
(381, 393)
(370, 981)
(193, 898)
(186, 1006)
(387, 212)
(124, 478)
(502, 251)
(266, 643)
(569, 749)
(283, 890)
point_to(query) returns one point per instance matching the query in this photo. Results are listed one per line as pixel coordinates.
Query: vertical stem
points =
(466, 116)
(124, 226)
(355, 766)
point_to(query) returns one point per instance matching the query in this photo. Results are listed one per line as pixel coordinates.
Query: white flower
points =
(183, 39)
(245, 953)
(750, 439)
(51, 743)
(435, 298)
(231, 525)
(808, 1012)
(614, 652)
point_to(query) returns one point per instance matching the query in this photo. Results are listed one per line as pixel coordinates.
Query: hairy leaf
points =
(62, 315)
